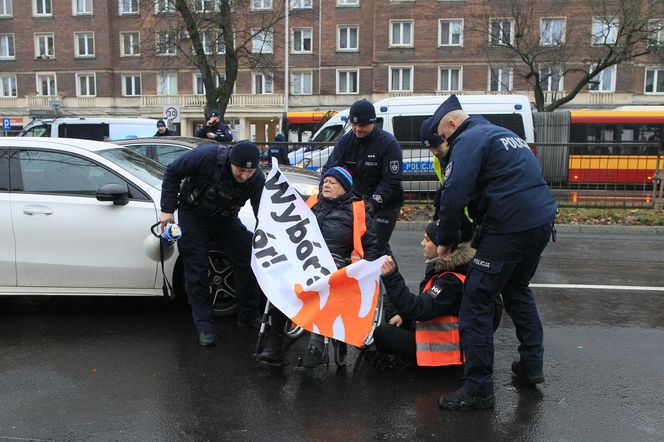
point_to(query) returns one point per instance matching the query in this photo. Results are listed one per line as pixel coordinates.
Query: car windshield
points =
(141, 167)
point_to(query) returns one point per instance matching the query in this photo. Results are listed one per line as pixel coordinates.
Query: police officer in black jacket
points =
(213, 183)
(279, 151)
(214, 129)
(494, 170)
(373, 158)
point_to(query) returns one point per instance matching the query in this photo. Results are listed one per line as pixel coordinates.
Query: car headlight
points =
(306, 189)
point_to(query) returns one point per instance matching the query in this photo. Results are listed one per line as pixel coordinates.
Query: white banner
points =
(295, 269)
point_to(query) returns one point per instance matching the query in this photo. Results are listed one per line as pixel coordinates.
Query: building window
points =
(220, 46)
(261, 5)
(6, 10)
(82, 7)
(302, 40)
(500, 79)
(552, 31)
(44, 46)
(128, 7)
(348, 81)
(401, 79)
(401, 33)
(605, 81)
(551, 79)
(199, 86)
(130, 44)
(262, 84)
(86, 85)
(301, 4)
(657, 30)
(131, 85)
(7, 47)
(166, 44)
(347, 37)
(85, 44)
(301, 83)
(46, 84)
(654, 81)
(449, 79)
(605, 30)
(450, 32)
(207, 41)
(201, 6)
(500, 31)
(348, 2)
(42, 8)
(164, 6)
(167, 84)
(262, 42)
(8, 86)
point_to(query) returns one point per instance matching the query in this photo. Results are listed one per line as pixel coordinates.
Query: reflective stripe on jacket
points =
(438, 341)
(359, 226)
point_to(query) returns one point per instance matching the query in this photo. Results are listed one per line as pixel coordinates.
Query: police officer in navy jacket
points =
(208, 186)
(215, 129)
(495, 172)
(279, 151)
(374, 159)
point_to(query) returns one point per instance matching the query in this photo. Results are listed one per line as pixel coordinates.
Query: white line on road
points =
(600, 287)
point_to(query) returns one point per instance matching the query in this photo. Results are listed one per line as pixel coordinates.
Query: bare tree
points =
(218, 37)
(542, 42)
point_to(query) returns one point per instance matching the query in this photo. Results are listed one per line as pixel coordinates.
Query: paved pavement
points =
(130, 369)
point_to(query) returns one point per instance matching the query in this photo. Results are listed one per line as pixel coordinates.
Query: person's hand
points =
(211, 135)
(396, 321)
(444, 252)
(388, 267)
(165, 218)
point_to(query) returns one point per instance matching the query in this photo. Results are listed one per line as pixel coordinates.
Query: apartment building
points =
(113, 57)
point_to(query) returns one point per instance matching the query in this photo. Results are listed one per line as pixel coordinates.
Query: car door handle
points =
(37, 211)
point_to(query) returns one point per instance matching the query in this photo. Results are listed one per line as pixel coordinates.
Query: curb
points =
(563, 228)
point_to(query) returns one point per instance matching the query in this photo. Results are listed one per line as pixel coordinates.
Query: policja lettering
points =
(514, 143)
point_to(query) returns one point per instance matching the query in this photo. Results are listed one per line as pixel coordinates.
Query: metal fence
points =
(580, 174)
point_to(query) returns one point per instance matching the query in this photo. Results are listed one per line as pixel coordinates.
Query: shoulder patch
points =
(448, 170)
(394, 167)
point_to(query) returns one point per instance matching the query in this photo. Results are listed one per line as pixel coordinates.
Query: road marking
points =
(600, 287)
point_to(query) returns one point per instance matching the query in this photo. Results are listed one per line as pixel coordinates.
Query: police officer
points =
(214, 182)
(279, 151)
(214, 129)
(373, 158)
(162, 130)
(494, 170)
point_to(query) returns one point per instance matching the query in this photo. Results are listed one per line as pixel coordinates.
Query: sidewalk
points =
(566, 228)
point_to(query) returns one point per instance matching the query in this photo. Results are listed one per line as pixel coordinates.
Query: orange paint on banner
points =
(343, 301)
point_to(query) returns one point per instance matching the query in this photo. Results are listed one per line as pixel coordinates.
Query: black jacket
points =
(199, 166)
(167, 133)
(335, 219)
(222, 132)
(375, 162)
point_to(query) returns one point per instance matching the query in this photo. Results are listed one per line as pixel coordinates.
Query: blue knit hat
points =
(362, 112)
(245, 154)
(342, 175)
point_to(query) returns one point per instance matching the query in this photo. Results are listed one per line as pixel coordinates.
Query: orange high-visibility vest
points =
(359, 226)
(438, 341)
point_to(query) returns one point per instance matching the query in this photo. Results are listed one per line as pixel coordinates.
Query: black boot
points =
(273, 353)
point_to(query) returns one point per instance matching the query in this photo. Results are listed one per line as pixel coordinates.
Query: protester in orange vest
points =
(345, 225)
(426, 329)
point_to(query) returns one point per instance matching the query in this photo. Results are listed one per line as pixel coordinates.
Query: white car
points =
(74, 215)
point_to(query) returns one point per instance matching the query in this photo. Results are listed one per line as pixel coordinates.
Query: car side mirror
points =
(117, 193)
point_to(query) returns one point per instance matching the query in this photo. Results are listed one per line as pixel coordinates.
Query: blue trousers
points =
(503, 264)
(231, 237)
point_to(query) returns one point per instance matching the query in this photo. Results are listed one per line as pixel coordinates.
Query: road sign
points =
(6, 124)
(171, 112)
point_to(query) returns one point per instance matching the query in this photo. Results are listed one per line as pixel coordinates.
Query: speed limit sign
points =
(171, 112)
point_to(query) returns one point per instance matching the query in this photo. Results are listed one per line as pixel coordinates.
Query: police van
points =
(99, 129)
(403, 116)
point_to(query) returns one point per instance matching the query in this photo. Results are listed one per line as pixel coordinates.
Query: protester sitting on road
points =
(426, 329)
(335, 213)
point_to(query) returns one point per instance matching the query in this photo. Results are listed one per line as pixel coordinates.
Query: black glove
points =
(371, 206)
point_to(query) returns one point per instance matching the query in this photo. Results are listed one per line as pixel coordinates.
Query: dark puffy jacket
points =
(279, 151)
(335, 219)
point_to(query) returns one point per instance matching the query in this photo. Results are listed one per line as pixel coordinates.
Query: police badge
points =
(448, 170)
(394, 167)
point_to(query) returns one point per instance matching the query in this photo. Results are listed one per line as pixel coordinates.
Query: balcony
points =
(238, 101)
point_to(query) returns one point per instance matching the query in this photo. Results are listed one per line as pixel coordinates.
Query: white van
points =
(99, 129)
(403, 116)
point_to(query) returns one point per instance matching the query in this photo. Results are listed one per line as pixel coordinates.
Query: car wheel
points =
(222, 285)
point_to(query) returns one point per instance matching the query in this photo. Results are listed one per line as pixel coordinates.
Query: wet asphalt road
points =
(130, 369)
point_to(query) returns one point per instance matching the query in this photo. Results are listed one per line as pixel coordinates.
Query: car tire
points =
(222, 285)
